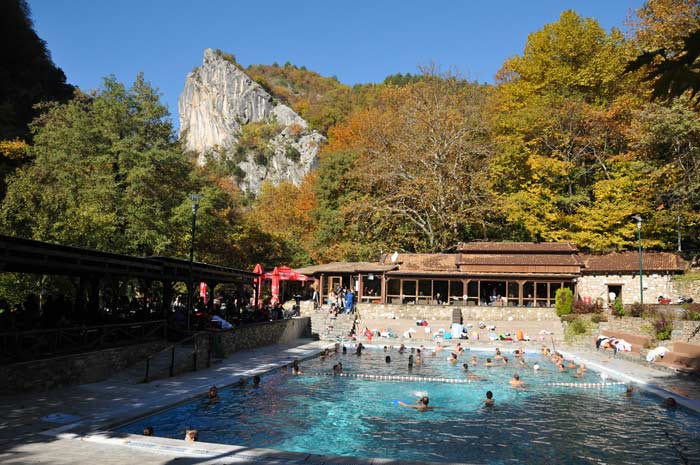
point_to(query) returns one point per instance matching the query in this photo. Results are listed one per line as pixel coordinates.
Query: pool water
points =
(556, 418)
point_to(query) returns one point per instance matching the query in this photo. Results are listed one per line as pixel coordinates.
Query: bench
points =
(637, 341)
(682, 356)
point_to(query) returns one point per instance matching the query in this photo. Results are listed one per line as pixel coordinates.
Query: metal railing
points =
(16, 346)
(172, 348)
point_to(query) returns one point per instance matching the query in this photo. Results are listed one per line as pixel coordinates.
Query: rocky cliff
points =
(226, 116)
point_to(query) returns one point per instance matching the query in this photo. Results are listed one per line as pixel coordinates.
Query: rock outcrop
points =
(219, 100)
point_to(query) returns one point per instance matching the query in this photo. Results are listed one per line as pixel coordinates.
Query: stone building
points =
(618, 273)
(516, 274)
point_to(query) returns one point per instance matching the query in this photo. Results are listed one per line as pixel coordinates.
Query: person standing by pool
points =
(422, 405)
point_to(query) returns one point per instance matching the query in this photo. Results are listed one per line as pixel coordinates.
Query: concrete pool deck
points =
(27, 436)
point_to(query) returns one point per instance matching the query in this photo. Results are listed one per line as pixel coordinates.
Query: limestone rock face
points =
(219, 100)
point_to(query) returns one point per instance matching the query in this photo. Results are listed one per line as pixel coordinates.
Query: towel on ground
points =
(658, 352)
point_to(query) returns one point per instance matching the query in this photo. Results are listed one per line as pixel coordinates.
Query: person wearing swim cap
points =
(536, 366)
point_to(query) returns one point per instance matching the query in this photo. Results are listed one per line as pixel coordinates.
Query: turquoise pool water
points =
(556, 418)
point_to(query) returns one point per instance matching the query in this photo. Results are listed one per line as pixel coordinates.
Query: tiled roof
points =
(540, 259)
(629, 261)
(517, 247)
(426, 262)
(346, 267)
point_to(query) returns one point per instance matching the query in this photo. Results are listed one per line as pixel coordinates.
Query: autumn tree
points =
(421, 170)
(561, 113)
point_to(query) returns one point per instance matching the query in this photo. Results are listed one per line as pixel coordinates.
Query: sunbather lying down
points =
(618, 345)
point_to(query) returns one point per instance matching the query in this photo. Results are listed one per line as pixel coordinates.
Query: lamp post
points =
(639, 238)
(195, 206)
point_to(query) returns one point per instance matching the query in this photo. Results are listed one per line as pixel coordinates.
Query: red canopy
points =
(283, 273)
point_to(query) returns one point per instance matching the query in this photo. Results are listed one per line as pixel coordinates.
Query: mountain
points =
(229, 119)
(27, 75)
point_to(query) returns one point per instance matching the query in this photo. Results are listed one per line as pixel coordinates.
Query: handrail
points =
(40, 343)
(193, 337)
(32, 332)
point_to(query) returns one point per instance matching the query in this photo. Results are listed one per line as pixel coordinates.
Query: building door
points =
(616, 290)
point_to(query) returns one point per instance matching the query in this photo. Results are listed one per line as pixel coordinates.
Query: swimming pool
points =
(556, 419)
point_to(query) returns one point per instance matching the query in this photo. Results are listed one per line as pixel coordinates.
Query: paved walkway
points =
(31, 431)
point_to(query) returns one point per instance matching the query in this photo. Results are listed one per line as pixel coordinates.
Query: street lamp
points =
(195, 206)
(639, 237)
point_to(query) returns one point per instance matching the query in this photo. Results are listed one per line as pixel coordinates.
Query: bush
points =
(569, 318)
(581, 307)
(292, 153)
(618, 309)
(599, 317)
(662, 328)
(577, 327)
(563, 301)
(636, 309)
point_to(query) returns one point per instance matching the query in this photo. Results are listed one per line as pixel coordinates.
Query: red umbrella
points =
(283, 273)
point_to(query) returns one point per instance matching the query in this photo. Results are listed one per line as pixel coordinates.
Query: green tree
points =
(110, 171)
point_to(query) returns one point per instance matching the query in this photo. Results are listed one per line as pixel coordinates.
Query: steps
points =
(329, 327)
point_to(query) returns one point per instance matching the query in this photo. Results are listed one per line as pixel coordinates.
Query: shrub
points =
(618, 308)
(662, 328)
(577, 327)
(599, 317)
(563, 301)
(636, 309)
(292, 153)
(569, 318)
(580, 307)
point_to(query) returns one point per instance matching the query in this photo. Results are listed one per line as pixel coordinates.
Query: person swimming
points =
(256, 380)
(469, 374)
(488, 363)
(242, 382)
(213, 394)
(489, 402)
(191, 435)
(474, 360)
(498, 354)
(421, 406)
(505, 361)
(402, 349)
(148, 431)
(452, 358)
(516, 382)
(387, 359)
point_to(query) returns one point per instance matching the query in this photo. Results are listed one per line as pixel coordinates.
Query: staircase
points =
(330, 327)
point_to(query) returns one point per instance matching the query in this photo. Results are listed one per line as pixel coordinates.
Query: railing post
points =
(148, 367)
(194, 355)
(172, 361)
(211, 338)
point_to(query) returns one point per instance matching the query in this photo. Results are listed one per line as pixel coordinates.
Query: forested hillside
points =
(581, 130)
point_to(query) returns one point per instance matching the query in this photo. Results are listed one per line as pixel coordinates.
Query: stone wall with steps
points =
(444, 312)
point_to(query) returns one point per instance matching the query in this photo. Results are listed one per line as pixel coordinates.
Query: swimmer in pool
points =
(242, 382)
(489, 402)
(522, 363)
(452, 358)
(422, 405)
(402, 349)
(488, 363)
(438, 347)
(498, 354)
(629, 391)
(505, 361)
(516, 382)
(148, 431)
(474, 361)
(387, 359)
(256, 380)
(469, 374)
(213, 394)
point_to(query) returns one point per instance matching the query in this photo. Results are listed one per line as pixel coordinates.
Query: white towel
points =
(658, 352)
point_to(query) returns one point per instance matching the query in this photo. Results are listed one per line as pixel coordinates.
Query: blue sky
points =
(357, 41)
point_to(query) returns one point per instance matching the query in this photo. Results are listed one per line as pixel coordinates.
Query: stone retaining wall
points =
(42, 375)
(682, 329)
(260, 334)
(444, 312)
